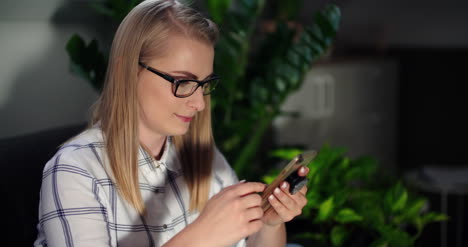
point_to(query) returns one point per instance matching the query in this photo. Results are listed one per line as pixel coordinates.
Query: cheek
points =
(155, 99)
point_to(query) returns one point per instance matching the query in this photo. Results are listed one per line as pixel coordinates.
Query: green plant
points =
(87, 60)
(259, 68)
(348, 197)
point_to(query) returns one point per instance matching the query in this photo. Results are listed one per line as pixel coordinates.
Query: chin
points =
(180, 131)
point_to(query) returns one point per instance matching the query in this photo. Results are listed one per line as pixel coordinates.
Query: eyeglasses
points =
(186, 87)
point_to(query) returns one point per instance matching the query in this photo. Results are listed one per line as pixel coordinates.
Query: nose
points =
(196, 101)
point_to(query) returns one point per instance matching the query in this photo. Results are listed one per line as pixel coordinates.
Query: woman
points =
(147, 172)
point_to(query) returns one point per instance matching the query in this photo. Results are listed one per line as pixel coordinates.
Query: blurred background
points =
(391, 87)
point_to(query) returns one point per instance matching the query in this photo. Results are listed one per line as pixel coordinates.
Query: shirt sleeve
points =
(224, 174)
(70, 211)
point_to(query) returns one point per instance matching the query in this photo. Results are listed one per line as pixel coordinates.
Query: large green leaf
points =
(415, 207)
(395, 237)
(347, 215)
(434, 217)
(325, 210)
(367, 203)
(87, 61)
(218, 9)
(361, 169)
(338, 235)
(395, 199)
(286, 154)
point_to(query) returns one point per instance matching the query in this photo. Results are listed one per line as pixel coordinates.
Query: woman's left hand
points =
(284, 205)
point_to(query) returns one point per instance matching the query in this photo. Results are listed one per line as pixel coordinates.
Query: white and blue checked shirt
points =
(80, 206)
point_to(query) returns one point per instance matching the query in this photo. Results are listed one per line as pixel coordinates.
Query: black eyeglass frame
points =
(176, 83)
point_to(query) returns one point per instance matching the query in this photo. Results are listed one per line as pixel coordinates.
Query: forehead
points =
(186, 54)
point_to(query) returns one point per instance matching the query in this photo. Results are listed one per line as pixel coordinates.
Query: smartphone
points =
(289, 174)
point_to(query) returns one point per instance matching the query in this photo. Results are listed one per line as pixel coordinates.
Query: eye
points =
(179, 78)
(186, 87)
(187, 84)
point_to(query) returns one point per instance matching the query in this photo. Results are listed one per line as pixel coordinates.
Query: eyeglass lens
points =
(185, 88)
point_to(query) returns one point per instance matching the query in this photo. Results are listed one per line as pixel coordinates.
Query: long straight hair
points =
(142, 36)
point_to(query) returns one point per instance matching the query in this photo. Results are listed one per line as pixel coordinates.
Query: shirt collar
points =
(168, 158)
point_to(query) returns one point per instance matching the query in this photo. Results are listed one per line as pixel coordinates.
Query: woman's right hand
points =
(231, 215)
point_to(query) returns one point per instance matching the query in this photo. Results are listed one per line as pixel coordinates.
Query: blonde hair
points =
(140, 37)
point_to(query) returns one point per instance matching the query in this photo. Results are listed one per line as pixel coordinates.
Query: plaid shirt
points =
(80, 205)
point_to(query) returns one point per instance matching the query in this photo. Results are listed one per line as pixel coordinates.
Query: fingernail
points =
(242, 181)
(271, 197)
(277, 191)
(302, 170)
(284, 185)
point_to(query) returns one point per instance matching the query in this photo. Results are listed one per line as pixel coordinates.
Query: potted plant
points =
(352, 203)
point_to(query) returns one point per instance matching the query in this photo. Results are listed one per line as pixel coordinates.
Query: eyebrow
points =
(190, 75)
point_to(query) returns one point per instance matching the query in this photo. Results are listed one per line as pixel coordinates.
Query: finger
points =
(233, 186)
(289, 206)
(253, 214)
(301, 200)
(303, 190)
(299, 197)
(252, 200)
(303, 171)
(253, 227)
(280, 209)
(285, 198)
(248, 188)
(285, 188)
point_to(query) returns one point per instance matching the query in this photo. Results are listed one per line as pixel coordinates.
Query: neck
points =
(153, 142)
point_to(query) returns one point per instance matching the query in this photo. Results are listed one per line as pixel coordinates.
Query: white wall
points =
(37, 91)
(350, 104)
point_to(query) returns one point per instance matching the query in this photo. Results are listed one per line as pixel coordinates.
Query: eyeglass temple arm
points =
(170, 79)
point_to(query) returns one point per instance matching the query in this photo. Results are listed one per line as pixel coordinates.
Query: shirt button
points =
(165, 226)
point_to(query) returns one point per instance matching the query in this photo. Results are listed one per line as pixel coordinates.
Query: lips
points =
(184, 118)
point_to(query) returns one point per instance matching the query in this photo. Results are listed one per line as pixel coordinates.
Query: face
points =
(160, 112)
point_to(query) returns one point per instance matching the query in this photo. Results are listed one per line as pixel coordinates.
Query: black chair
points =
(23, 159)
